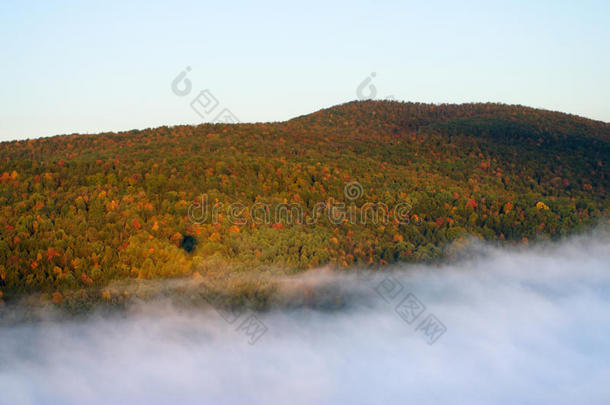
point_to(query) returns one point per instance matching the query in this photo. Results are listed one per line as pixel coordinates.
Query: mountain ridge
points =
(81, 212)
(339, 108)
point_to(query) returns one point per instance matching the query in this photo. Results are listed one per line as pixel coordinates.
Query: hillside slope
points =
(363, 183)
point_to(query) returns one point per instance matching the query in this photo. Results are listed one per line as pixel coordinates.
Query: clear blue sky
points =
(94, 66)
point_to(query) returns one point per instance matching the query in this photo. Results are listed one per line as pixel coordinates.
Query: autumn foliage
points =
(79, 211)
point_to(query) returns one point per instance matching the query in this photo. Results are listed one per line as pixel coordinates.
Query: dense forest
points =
(81, 212)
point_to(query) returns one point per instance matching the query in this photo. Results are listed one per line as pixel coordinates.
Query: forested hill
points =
(363, 183)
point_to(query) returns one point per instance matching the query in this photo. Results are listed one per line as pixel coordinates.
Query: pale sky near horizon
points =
(93, 66)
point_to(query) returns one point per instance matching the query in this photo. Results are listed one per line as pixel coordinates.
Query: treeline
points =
(79, 211)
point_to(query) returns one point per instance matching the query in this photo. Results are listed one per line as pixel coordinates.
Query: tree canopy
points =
(80, 211)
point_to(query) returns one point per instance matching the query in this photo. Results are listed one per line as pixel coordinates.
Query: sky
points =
(93, 66)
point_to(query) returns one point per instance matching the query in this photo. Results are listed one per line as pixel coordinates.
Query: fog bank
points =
(529, 326)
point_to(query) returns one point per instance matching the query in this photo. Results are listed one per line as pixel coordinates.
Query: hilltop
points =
(360, 184)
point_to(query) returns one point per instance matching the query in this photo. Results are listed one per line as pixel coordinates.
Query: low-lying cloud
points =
(521, 326)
